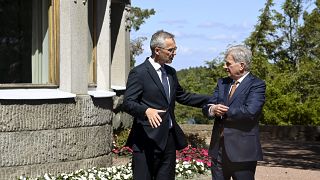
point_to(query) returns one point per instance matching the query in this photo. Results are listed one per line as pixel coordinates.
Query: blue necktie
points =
(165, 82)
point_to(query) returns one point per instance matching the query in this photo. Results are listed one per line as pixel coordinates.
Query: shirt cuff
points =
(211, 109)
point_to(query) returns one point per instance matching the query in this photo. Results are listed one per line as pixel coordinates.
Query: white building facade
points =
(62, 65)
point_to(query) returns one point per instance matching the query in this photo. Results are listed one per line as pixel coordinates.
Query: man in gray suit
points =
(236, 105)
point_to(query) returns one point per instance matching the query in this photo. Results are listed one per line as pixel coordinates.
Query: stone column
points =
(103, 45)
(74, 46)
(121, 43)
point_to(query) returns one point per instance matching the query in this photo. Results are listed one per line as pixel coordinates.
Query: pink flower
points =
(199, 154)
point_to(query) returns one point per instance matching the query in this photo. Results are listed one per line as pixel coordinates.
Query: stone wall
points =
(297, 133)
(54, 136)
(121, 120)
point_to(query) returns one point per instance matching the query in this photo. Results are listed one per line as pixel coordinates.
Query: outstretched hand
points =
(154, 117)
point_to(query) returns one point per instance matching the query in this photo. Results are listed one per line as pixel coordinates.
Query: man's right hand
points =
(218, 109)
(154, 117)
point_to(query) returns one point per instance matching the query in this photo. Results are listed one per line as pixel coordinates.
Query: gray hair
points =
(240, 53)
(158, 39)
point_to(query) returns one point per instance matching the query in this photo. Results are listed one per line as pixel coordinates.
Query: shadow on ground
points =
(292, 154)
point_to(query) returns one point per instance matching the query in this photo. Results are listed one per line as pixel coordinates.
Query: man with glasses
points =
(152, 90)
(236, 106)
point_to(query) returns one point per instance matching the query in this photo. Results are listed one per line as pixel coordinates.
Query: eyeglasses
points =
(228, 64)
(171, 50)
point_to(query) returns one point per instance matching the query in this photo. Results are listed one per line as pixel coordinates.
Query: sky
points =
(203, 29)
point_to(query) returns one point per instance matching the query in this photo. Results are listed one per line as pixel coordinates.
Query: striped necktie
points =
(233, 89)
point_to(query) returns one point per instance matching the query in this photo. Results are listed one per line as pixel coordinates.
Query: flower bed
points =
(190, 162)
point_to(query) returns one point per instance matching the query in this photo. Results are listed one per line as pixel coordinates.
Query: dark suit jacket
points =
(240, 123)
(144, 90)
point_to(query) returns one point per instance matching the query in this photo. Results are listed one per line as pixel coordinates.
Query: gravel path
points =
(283, 160)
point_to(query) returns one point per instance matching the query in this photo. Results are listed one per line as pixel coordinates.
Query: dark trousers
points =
(223, 169)
(150, 163)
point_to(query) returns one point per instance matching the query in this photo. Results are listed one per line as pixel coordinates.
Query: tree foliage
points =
(138, 17)
(201, 80)
(289, 49)
(286, 51)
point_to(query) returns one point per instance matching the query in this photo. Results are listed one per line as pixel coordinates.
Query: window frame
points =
(53, 51)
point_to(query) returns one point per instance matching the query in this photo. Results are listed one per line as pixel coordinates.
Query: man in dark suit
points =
(236, 105)
(152, 90)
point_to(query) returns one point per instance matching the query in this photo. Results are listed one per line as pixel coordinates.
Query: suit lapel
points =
(154, 75)
(226, 93)
(226, 89)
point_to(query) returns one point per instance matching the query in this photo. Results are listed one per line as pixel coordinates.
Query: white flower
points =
(91, 176)
(183, 169)
(46, 176)
(185, 162)
(117, 176)
(22, 177)
(127, 176)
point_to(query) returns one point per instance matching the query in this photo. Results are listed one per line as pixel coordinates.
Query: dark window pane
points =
(15, 41)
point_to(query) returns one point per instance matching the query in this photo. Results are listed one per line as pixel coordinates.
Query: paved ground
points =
(289, 160)
(286, 160)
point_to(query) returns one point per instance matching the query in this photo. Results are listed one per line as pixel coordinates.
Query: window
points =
(92, 76)
(28, 42)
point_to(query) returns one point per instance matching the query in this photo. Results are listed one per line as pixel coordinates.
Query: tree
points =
(138, 18)
(136, 49)
(276, 35)
(309, 34)
(286, 56)
(289, 24)
(264, 41)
